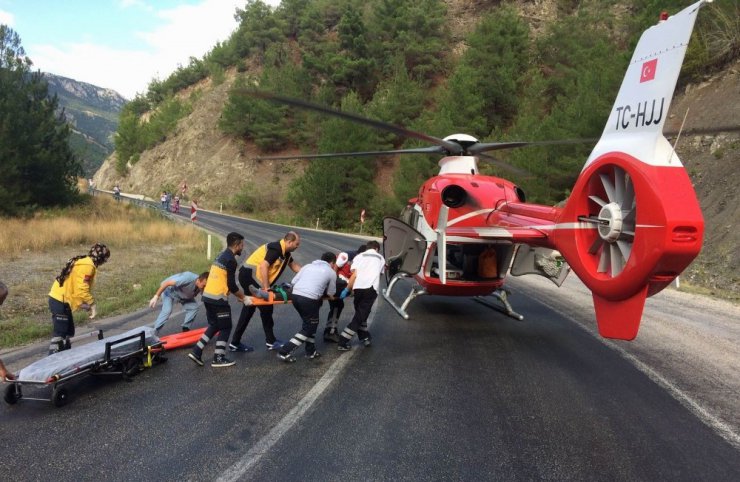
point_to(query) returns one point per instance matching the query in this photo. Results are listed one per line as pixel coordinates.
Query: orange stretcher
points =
(189, 338)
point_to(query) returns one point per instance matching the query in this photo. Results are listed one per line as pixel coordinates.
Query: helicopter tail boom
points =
(633, 222)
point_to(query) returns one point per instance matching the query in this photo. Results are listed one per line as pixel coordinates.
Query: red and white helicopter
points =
(631, 225)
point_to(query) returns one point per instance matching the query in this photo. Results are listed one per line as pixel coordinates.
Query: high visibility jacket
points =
(221, 280)
(77, 288)
(276, 257)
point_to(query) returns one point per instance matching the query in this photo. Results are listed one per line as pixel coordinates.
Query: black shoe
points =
(344, 346)
(240, 347)
(313, 355)
(198, 360)
(366, 341)
(332, 337)
(287, 358)
(275, 346)
(185, 328)
(220, 361)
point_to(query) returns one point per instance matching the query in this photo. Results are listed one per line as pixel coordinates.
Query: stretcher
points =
(122, 355)
(275, 297)
(179, 340)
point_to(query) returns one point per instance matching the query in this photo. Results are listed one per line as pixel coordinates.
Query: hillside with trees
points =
(519, 70)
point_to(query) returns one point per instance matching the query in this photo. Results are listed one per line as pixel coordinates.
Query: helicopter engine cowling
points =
(628, 230)
(454, 196)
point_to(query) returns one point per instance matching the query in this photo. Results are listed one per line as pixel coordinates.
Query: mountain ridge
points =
(93, 113)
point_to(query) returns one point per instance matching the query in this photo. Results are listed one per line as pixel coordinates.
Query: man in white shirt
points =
(364, 284)
(310, 285)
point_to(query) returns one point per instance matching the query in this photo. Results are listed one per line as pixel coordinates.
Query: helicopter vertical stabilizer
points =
(633, 222)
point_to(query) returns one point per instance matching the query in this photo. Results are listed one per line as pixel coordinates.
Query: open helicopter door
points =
(403, 248)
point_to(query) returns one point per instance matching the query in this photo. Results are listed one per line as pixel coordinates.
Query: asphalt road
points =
(459, 392)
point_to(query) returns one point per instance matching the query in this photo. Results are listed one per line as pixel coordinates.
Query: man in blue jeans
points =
(181, 288)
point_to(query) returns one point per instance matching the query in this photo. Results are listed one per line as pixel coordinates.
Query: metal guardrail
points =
(136, 201)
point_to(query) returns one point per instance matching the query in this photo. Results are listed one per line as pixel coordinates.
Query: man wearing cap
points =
(72, 290)
(336, 305)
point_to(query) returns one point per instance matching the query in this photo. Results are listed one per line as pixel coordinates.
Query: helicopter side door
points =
(403, 247)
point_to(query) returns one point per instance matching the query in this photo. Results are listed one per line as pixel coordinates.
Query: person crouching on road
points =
(311, 283)
(364, 284)
(221, 282)
(72, 290)
(182, 288)
(337, 304)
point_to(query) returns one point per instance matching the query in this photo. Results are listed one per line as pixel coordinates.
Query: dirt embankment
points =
(713, 163)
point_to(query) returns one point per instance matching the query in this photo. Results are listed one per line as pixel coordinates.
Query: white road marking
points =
(255, 454)
(719, 426)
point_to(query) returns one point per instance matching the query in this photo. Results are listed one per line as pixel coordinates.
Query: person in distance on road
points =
(310, 285)
(72, 290)
(364, 284)
(221, 282)
(182, 288)
(262, 268)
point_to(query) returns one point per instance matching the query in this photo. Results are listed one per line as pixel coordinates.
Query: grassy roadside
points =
(145, 248)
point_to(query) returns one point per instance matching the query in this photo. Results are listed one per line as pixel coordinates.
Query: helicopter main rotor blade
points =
(504, 165)
(450, 147)
(421, 150)
(495, 146)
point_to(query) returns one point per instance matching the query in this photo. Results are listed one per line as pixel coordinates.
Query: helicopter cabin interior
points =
(473, 262)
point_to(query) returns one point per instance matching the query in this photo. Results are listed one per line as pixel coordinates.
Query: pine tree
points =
(38, 165)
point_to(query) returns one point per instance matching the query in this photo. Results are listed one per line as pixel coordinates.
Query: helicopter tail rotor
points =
(633, 223)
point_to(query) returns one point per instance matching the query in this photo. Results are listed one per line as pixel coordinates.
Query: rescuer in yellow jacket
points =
(71, 291)
(262, 268)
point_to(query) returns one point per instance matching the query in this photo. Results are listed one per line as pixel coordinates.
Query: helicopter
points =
(631, 225)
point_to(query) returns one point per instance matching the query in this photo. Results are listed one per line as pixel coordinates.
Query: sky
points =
(118, 44)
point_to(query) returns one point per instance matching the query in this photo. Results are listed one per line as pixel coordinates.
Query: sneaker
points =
(342, 346)
(313, 355)
(221, 361)
(259, 293)
(287, 358)
(198, 360)
(240, 347)
(275, 346)
(331, 336)
(185, 328)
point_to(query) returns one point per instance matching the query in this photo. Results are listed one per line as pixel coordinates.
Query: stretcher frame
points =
(124, 365)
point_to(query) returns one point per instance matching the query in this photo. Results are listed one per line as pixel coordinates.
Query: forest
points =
(510, 77)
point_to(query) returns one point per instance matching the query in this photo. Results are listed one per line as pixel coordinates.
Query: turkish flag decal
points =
(648, 70)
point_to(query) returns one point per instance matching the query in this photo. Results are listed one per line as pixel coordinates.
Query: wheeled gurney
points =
(124, 355)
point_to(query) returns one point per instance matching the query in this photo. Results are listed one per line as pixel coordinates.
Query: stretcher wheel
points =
(12, 394)
(59, 396)
(132, 367)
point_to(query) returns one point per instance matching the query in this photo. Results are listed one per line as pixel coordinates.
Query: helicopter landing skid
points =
(502, 296)
(415, 291)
